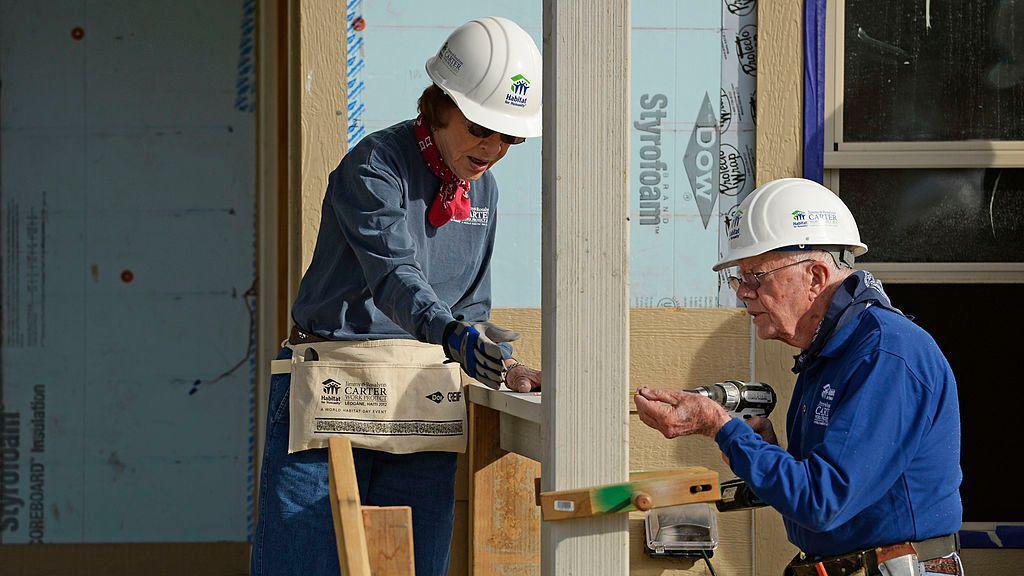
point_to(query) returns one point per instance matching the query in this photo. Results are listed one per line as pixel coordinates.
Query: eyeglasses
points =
(481, 132)
(753, 280)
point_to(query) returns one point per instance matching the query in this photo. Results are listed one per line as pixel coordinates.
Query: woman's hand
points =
(520, 377)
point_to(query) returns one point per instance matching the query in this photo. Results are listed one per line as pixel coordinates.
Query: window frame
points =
(840, 155)
(924, 154)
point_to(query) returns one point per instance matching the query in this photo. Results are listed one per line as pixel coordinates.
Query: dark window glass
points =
(960, 79)
(970, 342)
(969, 215)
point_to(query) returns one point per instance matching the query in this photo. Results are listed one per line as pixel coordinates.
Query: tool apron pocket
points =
(396, 396)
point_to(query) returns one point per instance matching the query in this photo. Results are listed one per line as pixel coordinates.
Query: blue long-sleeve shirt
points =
(379, 268)
(874, 442)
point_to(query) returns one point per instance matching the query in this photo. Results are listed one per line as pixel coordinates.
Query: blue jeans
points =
(295, 533)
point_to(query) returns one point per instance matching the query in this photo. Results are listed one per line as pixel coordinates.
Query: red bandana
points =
(452, 201)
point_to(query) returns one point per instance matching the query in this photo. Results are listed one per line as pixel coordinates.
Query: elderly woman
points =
(395, 301)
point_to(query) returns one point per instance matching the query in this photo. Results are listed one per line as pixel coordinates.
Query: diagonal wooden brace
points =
(645, 490)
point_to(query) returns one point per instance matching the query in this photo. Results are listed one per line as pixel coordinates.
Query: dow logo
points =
(520, 84)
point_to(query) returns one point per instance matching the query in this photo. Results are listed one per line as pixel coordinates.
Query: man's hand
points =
(520, 377)
(764, 428)
(676, 413)
(475, 348)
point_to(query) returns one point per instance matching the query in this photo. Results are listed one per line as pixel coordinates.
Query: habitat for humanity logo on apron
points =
(397, 396)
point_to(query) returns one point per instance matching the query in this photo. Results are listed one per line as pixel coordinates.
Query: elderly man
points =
(872, 470)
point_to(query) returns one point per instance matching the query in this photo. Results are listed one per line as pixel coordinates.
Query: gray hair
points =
(838, 257)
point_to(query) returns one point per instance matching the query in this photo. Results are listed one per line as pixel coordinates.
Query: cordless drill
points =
(740, 398)
(746, 400)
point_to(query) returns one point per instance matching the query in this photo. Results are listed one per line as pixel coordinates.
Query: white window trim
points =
(946, 272)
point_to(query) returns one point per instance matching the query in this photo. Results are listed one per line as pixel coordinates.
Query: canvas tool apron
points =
(396, 396)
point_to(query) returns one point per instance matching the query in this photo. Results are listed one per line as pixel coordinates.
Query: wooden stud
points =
(272, 186)
(349, 532)
(389, 535)
(317, 120)
(504, 520)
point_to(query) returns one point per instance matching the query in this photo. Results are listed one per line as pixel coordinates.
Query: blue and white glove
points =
(476, 348)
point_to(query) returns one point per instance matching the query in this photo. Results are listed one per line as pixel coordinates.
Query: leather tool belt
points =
(932, 552)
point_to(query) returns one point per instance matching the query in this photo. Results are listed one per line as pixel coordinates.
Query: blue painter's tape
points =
(358, 90)
(354, 85)
(976, 539)
(250, 485)
(358, 66)
(1011, 536)
(245, 83)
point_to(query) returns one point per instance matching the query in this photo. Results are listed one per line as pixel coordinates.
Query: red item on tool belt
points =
(935, 553)
(452, 200)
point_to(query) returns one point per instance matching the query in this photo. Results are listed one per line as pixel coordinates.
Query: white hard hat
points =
(492, 69)
(790, 213)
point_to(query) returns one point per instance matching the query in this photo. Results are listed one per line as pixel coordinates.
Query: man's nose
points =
(745, 292)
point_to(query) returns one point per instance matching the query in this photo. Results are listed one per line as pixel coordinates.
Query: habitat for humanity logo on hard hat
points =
(814, 218)
(519, 87)
(799, 219)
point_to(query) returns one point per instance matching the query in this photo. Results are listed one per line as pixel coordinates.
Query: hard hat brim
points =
(734, 257)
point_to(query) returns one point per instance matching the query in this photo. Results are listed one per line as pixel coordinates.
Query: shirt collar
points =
(858, 292)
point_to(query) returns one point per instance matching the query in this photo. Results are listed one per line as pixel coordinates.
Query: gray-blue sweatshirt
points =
(380, 269)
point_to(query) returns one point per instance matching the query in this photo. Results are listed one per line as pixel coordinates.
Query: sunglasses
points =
(481, 132)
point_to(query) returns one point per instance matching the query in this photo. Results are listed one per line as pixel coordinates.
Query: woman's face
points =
(467, 155)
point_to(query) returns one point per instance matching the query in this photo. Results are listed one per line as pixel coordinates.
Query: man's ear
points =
(820, 275)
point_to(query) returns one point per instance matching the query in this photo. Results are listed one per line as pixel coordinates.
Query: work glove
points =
(475, 348)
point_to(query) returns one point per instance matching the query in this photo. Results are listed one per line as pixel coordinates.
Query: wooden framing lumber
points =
(644, 491)
(349, 531)
(317, 120)
(504, 521)
(389, 538)
(585, 273)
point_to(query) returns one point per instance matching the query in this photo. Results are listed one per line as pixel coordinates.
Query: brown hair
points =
(434, 105)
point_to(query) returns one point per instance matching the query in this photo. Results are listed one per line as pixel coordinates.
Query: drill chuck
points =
(741, 398)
